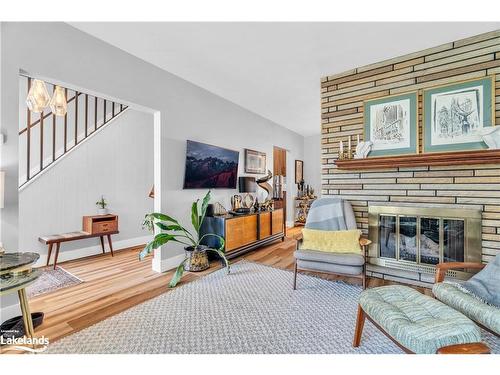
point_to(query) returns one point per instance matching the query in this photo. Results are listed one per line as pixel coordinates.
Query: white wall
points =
(118, 163)
(312, 162)
(185, 110)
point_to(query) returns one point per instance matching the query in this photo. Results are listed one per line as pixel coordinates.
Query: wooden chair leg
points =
(110, 245)
(49, 253)
(102, 245)
(360, 323)
(364, 281)
(295, 276)
(58, 246)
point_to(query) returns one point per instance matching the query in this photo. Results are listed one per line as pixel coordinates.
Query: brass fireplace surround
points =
(472, 240)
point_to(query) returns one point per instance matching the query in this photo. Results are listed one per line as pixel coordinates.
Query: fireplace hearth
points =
(416, 238)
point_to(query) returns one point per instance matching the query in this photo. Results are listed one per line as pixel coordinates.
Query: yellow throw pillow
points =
(339, 241)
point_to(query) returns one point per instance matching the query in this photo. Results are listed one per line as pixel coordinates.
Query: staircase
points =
(45, 138)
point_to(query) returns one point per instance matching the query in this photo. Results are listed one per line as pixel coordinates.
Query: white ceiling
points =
(273, 69)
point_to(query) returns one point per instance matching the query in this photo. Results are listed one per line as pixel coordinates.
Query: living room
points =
(172, 190)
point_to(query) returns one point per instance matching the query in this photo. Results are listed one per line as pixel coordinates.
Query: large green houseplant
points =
(170, 230)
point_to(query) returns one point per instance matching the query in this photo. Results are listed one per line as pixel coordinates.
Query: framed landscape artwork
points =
(391, 124)
(255, 162)
(455, 115)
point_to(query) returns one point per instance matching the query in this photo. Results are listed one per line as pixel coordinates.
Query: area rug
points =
(251, 310)
(51, 280)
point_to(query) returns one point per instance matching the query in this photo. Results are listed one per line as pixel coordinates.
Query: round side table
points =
(16, 273)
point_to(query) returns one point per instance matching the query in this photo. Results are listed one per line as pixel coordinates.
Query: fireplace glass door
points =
(454, 240)
(429, 240)
(387, 236)
(408, 238)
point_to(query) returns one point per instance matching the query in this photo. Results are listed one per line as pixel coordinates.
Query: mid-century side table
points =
(93, 226)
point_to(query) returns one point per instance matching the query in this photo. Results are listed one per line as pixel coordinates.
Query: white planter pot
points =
(102, 211)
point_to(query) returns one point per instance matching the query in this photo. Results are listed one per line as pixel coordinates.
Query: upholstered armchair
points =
(343, 264)
(483, 314)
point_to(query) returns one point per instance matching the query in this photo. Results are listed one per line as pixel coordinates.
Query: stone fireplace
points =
(416, 238)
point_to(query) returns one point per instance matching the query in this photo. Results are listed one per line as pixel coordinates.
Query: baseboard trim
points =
(164, 265)
(65, 256)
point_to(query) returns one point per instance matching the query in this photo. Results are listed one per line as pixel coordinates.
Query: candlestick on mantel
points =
(349, 148)
(357, 138)
(341, 149)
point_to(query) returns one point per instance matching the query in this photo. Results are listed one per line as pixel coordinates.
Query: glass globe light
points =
(38, 96)
(58, 103)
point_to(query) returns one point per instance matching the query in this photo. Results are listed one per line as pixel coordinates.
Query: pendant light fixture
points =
(58, 103)
(38, 96)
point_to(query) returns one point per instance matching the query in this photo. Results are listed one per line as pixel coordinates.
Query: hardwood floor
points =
(114, 284)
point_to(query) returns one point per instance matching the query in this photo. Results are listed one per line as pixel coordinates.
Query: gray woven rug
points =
(252, 310)
(52, 279)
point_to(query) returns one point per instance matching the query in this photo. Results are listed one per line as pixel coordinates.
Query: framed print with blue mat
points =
(391, 125)
(455, 115)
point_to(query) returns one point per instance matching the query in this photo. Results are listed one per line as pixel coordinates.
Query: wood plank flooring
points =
(114, 284)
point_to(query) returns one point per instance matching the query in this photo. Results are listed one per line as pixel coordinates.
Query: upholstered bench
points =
(415, 322)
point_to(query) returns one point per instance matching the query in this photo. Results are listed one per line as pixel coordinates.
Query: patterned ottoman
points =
(416, 322)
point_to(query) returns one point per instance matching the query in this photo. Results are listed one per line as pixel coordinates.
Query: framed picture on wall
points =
(299, 171)
(456, 114)
(255, 162)
(391, 125)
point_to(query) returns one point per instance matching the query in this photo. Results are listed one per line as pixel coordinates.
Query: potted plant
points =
(171, 230)
(101, 206)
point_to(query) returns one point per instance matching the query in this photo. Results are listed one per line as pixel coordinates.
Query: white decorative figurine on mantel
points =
(363, 149)
(491, 136)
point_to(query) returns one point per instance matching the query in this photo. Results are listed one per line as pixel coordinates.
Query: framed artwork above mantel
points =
(455, 115)
(390, 123)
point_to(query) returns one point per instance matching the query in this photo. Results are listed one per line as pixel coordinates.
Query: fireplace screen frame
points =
(472, 233)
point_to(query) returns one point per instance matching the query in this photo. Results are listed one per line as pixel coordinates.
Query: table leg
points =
(50, 253)
(58, 246)
(110, 245)
(25, 309)
(102, 244)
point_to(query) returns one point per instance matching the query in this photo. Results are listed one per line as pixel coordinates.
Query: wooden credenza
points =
(243, 233)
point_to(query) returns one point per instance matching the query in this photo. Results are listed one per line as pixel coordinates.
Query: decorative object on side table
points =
(101, 206)
(219, 209)
(264, 184)
(255, 162)
(391, 125)
(170, 230)
(247, 185)
(302, 206)
(236, 202)
(456, 115)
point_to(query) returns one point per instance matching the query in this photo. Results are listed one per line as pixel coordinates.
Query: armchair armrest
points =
(364, 241)
(441, 268)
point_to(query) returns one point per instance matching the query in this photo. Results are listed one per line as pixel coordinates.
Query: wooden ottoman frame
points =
(471, 348)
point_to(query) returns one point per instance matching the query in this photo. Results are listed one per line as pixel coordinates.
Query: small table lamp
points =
(247, 185)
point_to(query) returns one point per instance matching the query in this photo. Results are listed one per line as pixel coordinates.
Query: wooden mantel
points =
(429, 159)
